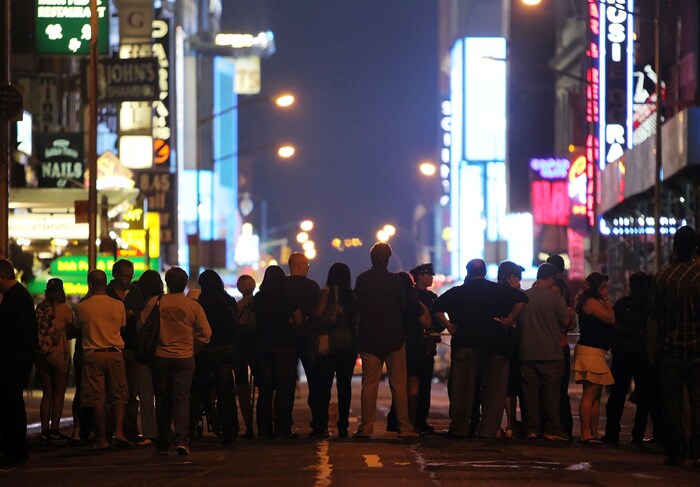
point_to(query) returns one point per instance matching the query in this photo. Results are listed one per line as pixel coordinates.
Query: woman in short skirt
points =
(597, 325)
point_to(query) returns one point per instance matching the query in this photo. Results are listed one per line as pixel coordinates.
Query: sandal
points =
(591, 441)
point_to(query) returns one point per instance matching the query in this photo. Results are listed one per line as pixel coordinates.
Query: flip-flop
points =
(591, 441)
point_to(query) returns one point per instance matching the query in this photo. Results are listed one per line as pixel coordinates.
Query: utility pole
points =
(92, 138)
(658, 251)
(5, 153)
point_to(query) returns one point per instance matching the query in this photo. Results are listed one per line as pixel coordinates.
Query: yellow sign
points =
(137, 238)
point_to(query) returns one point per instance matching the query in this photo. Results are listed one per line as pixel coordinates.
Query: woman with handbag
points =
(337, 300)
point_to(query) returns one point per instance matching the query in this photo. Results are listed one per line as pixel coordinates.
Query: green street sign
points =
(78, 265)
(63, 26)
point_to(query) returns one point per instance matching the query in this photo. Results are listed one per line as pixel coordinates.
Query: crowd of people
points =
(216, 355)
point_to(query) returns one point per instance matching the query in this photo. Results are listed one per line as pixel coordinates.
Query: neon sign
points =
(551, 168)
(616, 51)
(550, 202)
(592, 105)
(550, 191)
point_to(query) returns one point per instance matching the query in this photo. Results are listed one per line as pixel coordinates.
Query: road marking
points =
(373, 461)
(646, 476)
(496, 464)
(420, 460)
(324, 468)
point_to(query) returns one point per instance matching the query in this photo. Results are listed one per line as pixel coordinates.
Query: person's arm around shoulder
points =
(321, 302)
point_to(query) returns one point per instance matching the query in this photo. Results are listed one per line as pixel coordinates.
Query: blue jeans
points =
(172, 380)
(675, 374)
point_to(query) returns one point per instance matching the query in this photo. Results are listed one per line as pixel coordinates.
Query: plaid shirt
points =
(676, 305)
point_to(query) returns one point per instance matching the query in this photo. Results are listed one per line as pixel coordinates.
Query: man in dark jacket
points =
(381, 299)
(479, 313)
(18, 340)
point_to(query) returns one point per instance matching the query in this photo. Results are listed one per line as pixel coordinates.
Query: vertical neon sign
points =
(592, 106)
(616, 52)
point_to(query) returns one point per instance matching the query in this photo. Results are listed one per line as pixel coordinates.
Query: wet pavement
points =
(384, 459)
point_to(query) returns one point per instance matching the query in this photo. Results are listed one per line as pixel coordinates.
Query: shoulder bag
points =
(147, 337)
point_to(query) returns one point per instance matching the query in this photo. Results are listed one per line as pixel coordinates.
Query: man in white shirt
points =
(101, 319)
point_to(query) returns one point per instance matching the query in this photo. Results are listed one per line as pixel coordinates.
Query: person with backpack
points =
(54, 320)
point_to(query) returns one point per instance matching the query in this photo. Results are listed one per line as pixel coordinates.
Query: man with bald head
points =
(304, 293)
(477, 314)
(101, 319)
(381, 301)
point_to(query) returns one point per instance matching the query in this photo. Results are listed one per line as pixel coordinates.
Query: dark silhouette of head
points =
(273, 280)
(639, 282)
(210, 282)
(150, 284)
(476, 269)
(97, 280)
(176, 279)
(685, 242)
(546, 271)
(506, 269)
(380, 254)
(558, 262)
(339, 275)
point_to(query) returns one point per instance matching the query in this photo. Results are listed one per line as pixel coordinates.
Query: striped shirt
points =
(675, 303)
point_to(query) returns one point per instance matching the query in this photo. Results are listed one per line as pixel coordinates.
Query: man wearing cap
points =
(479, 310)
(427, 347)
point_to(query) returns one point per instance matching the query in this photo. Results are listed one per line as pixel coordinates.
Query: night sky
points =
(365, 74)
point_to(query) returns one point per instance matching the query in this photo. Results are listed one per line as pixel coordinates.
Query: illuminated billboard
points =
(63, 26)
(477, 151)
(609, 54)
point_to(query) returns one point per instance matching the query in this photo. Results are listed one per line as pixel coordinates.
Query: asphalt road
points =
(382, 460)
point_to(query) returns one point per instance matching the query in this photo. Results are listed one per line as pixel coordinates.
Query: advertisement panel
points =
(61, 160)
(63, 26)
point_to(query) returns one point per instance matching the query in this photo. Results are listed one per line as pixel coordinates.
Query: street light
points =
(284, 100)
(286, 151)
(427, 168)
